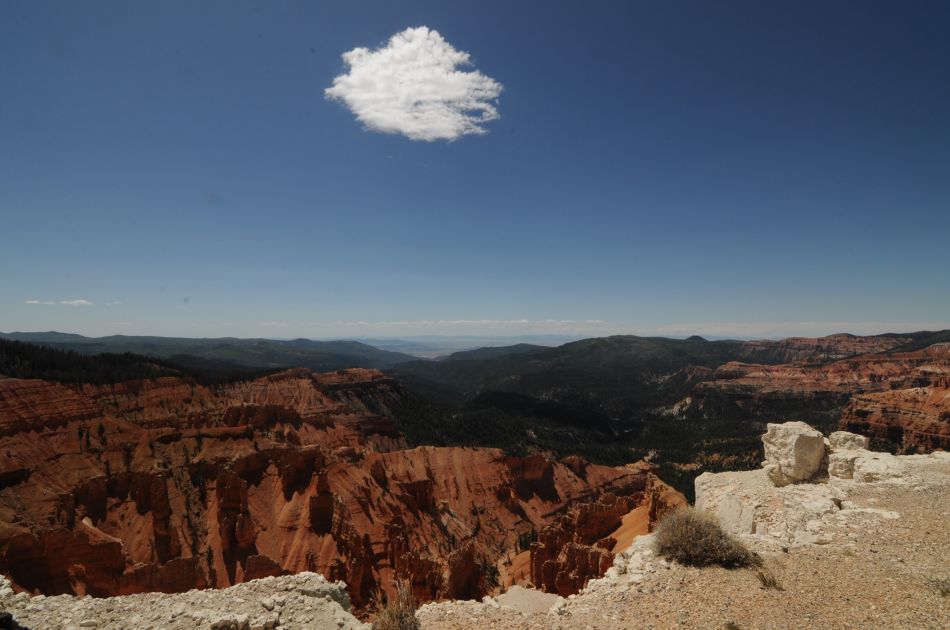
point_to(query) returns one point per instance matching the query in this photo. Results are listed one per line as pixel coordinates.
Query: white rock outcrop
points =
(748, 504)
(304, 600)
(764, 506)
(841, 463)
(632, 566)
(794, 452)
(850, 459)
(870, 466)
(844, 440)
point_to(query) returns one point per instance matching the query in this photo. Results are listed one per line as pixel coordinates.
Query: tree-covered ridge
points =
(26, 360)
(320, 356)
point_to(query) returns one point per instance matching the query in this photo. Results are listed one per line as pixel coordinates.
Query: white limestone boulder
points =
(794, 452)
(845, 440)
(841, 463)
(844, 449)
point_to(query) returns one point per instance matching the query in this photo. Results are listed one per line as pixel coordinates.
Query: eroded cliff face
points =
(165, 485)
(915, 419)
(582, 544)
(832, 347)
(867, 392)
(869, 372)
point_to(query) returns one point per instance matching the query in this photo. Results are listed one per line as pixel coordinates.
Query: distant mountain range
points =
(224, 351)
(609, 363)
(690, 404)
(440, 346)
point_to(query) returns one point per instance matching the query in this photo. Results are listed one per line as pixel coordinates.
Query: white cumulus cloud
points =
(414, 86)
(63, 302)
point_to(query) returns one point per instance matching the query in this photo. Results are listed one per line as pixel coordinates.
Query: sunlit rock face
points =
(773, 512)
(581, 545)
(167, 485)
(793, 452)
(901, 400)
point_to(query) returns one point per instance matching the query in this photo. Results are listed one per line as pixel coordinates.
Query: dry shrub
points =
(695, 538)
(399, 612)
(768, 580)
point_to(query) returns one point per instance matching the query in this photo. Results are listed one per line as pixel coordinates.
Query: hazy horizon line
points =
(712, 332)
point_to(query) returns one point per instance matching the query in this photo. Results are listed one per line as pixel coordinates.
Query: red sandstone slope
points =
(901, 397)
(167, 485)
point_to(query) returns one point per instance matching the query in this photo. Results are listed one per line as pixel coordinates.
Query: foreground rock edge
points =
(304, 600)
(819, 518)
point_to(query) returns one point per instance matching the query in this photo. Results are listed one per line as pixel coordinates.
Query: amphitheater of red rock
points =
(166, 485)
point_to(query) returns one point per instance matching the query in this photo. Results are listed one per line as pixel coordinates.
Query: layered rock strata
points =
(916, 419)
(901, 399)
(166, 485)
(830, 348)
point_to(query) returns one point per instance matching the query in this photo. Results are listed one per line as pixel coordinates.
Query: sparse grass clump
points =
(399, 612)
(768, 580)
(695, 539)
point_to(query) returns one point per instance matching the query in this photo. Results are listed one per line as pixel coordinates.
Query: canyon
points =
(834, 551)
(899, 399)
(844, 547)
(169, 485)
(176, 482)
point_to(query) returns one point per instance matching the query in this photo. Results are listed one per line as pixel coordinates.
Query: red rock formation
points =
(31, 405)
(168, 485)
(832, 347)
(865, 373)
(916, 419)
(898, 397)
(581, 544)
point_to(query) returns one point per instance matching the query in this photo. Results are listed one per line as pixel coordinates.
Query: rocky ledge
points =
(805, 486)
(850, 538)
(305, 600)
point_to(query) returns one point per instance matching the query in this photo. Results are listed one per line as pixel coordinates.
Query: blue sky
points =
(741, 168)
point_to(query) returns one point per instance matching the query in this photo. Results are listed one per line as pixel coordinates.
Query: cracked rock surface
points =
(305, 600)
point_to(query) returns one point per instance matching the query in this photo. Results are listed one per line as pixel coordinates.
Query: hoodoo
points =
(168, 485)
